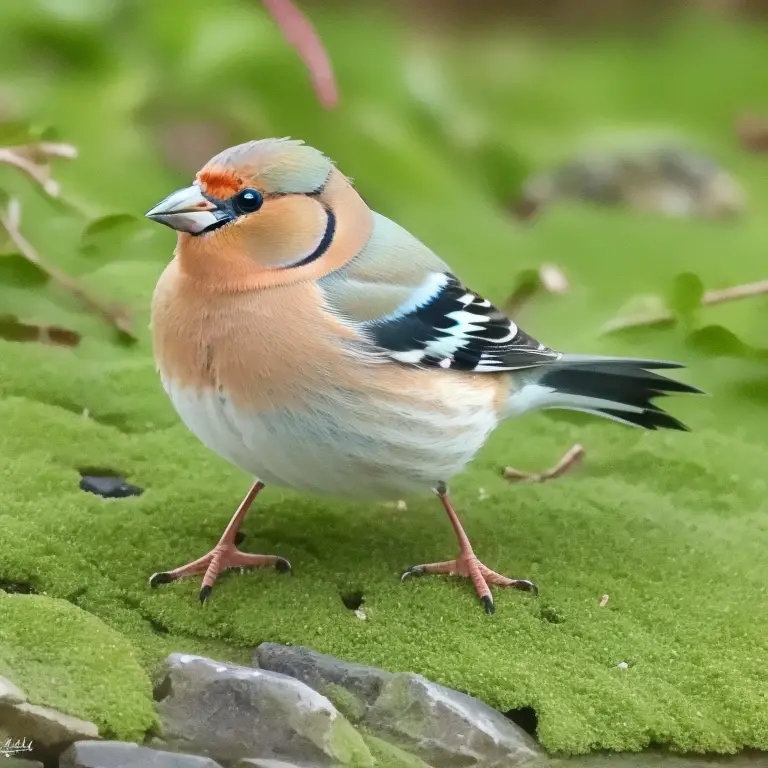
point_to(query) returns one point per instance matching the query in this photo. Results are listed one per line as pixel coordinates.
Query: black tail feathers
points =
(621, 389)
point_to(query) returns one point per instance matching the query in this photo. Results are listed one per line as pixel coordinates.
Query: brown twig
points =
(752, 131)
(114, 314)
(709, 299)
(31, 159)
(300, 33)
(569, 461)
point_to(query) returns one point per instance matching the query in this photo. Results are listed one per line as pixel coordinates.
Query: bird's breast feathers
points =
(290, 393)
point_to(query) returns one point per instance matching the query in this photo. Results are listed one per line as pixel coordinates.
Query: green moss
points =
(348, 746)
(63, 657)
(389, 756)
(345, 701)
(671, 526)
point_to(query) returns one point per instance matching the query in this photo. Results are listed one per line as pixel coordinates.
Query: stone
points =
(45, 727)
(231, 712)
(326, 675)
(11, 693)
(120, 754)
(439, 725)
(668, 177)
(17, 762)
(109, 487)
(445, 727)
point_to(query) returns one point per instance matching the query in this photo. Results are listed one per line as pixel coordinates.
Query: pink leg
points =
(467, 564)
(224, 555)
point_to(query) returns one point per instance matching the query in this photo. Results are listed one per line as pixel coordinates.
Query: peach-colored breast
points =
(262, 347)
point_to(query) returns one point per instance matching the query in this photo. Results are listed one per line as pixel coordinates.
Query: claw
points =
(156, 579)
(414, 570)
(283, 566)
(205, 593)
(487, 602)
(527, 586)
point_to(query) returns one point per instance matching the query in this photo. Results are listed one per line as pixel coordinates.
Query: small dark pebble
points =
(109, 487)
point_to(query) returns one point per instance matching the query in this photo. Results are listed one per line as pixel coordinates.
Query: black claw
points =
(487, 601)
(414, 570)
(156, 579)
(282, 565)
(239, 538)
(527, 586)
(205, 593)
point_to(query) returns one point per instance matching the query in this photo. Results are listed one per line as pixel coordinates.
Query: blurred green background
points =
(444, 113)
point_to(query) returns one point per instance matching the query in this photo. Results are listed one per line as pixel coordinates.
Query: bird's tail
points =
(616, 388)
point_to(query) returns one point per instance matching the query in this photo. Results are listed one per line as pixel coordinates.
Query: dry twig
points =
(752, 131)
(32, 159)
(709, 299)
(569, 461)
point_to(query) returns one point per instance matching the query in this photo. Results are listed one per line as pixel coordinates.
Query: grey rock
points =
(667, 177)
(17, 762)
(120, 754)
(325, 674)
(45, 727)
(11, 693)
(441, 726)
(445, 727)
(230, 712)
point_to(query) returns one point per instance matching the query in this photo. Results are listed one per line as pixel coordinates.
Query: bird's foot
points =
(222, 556)
(569, 461)
(469, 567)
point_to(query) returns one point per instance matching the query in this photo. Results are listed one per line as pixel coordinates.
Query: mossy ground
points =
(64, 674)
(673, 527)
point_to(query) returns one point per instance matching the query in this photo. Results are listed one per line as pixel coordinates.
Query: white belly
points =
(345, 444)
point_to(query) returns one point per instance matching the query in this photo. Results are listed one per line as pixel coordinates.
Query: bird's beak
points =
(188, 210)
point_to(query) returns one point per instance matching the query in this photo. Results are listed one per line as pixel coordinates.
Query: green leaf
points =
(527, 283)
(17, 271)
(505, 171)
(718, 341)
(109, 231)
(685, 295)
(15, 133)
(641, 310)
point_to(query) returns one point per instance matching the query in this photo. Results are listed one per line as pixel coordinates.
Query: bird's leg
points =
(224, 555)
(467, 564)
(571, 459)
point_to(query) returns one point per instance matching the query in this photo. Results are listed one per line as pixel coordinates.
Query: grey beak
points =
(187, 210)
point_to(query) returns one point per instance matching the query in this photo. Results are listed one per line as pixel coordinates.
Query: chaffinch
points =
(319, 346)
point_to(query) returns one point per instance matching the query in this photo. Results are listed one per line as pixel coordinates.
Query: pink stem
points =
(300, 33)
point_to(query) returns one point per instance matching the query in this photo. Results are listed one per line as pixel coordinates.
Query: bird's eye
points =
(247, 201)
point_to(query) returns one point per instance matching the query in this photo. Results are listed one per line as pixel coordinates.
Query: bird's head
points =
(264, 213)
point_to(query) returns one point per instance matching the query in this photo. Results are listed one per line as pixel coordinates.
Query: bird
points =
(319, 346)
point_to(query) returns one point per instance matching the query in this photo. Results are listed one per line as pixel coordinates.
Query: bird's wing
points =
(405, 300)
